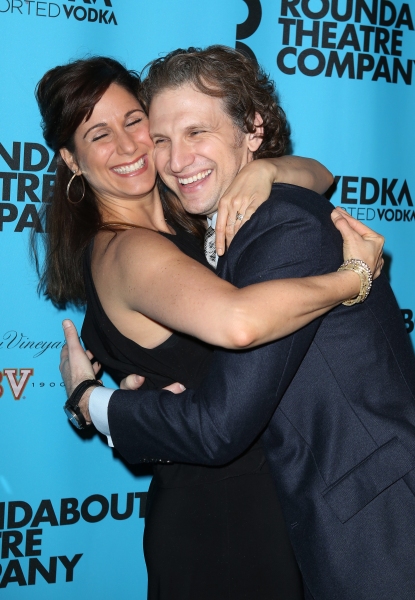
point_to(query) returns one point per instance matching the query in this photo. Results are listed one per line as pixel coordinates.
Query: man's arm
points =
(219, 420)
(215, 423)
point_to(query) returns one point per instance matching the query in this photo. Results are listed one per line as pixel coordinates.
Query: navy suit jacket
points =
(334, 403)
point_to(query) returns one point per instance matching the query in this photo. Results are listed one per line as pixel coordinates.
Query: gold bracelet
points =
(362, 269)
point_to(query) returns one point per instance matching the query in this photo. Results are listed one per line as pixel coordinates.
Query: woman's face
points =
(113, 148)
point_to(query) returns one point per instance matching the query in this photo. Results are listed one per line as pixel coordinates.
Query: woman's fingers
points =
(250, 188)
(340, 216)
(232, 214)
(379, 268)
(228, 209)
(355, 224)
(359, 241)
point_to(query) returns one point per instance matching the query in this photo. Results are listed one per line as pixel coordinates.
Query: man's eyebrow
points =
(187, 129)
(127, 114)
(156, 134)
(198, 125)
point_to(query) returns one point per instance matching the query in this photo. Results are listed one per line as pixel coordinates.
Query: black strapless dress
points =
(211, 533)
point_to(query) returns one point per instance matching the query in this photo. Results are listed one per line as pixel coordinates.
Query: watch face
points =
(72, 416)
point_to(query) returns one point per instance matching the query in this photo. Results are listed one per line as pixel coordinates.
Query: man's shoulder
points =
(293, 226)
(288, 203)
(288, 197)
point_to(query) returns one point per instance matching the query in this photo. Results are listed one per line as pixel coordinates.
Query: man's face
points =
(198, 150)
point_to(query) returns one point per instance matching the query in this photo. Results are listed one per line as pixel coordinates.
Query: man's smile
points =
(193, 178)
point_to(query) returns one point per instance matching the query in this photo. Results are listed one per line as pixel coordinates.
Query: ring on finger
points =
(239, 216)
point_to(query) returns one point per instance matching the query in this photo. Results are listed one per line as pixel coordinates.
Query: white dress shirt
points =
(98, 409)
(211, 221)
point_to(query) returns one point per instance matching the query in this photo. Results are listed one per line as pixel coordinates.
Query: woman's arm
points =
(252, 186)
(178, 292)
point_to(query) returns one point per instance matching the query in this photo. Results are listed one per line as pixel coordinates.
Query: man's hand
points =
(75, 366)
(133, 382)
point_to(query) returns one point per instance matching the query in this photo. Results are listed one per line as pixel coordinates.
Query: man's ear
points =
(255, 138)
(69, 159)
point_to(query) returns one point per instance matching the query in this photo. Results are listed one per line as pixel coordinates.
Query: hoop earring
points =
(69, 185)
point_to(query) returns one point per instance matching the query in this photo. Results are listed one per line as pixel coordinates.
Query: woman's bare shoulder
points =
(142, 246)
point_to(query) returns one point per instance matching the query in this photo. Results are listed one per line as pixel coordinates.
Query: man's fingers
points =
(64, 356)
(75, 366)
(176, 388)
(69, 330)
(95, 364)
(132, 382)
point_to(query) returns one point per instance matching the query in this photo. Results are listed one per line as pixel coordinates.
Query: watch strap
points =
(71, 406)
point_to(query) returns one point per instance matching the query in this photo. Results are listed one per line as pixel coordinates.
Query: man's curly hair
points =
(225, 73)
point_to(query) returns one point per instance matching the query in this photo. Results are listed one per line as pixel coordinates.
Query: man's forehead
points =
(188, 102)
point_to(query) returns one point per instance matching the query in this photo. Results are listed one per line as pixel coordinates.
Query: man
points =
(335, 401)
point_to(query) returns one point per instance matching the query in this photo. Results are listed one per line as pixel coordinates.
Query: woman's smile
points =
(132, 168)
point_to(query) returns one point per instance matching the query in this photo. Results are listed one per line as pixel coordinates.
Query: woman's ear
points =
(255, 138)
(69, 159)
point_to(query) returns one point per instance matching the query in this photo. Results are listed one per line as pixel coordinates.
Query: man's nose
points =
(181, 156)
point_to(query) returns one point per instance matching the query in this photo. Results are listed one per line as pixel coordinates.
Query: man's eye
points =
(158, 141)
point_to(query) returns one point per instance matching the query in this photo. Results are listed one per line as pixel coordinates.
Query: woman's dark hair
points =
(67, 95)
(239, 81)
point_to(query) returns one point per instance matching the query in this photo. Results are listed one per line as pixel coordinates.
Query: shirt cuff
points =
(98, 409)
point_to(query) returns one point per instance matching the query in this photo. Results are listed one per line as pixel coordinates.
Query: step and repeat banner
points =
(71, 511)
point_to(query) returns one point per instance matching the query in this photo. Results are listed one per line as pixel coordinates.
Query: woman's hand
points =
(252, 186)
(359, 241)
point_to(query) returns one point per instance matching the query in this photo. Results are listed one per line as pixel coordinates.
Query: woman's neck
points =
(146, 211)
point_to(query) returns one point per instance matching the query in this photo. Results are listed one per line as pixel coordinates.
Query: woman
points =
(210, 532)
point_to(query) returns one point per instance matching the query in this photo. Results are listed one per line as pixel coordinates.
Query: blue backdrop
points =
(70, 510)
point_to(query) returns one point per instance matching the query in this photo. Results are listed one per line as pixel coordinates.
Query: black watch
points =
(71, 406)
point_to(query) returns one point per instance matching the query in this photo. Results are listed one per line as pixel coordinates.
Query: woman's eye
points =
(134, 122)
(99, 137)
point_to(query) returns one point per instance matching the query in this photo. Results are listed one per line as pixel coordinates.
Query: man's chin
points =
(196, 210)
(197, 206)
